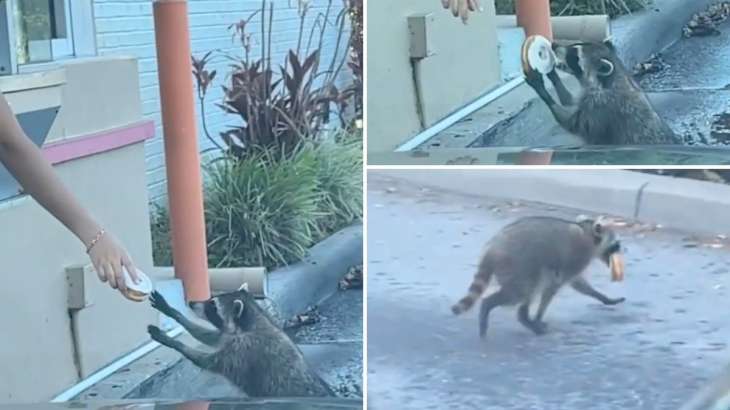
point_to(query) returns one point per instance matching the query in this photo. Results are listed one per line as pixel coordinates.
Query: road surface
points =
(651, 352)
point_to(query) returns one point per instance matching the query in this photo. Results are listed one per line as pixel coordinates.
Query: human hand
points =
(461, 8)
(108, 257)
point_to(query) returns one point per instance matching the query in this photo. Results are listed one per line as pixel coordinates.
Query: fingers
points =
(445, 3)
(455, 7)
(99, 269)
(474, 5)
(119, 275)
(131, 269)
(464, 10)
(109, 274)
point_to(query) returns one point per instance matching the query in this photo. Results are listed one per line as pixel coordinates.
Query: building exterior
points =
(81, 77)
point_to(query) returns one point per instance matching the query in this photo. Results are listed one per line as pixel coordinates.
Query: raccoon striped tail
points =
(478, 286)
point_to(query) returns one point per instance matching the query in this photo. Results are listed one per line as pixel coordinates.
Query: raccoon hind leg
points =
(500, 298)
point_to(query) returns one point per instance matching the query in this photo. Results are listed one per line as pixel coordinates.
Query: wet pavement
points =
(651, 352)
(333, 347)
(692, 94)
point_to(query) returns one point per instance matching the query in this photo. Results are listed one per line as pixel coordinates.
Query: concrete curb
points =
(658, 28)
(691, 205)
(296, 287)
(291, 290)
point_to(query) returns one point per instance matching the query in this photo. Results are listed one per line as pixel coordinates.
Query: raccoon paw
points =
(158, 302)
(611, 302)
(534, 79)
(156, 334)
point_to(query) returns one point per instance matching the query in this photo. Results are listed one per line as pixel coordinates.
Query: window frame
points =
(80, 41)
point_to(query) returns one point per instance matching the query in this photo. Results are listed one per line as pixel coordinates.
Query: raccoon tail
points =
(478, 286)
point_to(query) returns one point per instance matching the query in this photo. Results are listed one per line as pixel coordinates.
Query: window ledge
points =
(23, 82)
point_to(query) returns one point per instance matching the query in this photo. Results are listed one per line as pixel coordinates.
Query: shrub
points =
(161, 240)
(580, 7)
(261, 211)
(339, 179)
(264, 211)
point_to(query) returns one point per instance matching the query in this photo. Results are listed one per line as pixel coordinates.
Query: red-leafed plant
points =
(282, 105)
(357, 62)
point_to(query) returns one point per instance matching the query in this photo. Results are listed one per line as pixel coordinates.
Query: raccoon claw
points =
(158, 302)
(611, 302)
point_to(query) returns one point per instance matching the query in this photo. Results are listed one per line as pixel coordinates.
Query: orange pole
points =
(534, 17)
(184, 182)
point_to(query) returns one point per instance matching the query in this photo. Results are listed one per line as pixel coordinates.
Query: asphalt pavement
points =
(651, 352)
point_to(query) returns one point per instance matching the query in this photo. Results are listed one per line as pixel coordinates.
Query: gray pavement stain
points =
(651, 352)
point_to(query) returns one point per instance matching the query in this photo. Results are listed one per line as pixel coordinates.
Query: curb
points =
(658, 28)
(292, 289)
(690, 205)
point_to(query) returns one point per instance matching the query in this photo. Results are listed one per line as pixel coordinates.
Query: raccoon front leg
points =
(198, 358)
(565, 97)
(523, 315)
(581, 285)
(207, 336)
(538, 326)
(562, 114)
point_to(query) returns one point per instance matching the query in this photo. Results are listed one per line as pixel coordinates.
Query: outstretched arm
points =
(562, 114)
(26, 162)
(207, 336)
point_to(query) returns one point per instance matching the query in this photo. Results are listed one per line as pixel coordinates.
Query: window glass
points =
(42, 30)
(33, 31)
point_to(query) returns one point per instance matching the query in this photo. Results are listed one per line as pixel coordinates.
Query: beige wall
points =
(466, 65)
(36, 348)
(115, 103)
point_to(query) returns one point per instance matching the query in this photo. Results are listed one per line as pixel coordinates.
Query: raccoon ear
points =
(238, 308)
(244, 287)
(608, 43)
(606, 68)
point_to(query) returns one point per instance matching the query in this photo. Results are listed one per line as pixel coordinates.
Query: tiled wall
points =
(126, 27)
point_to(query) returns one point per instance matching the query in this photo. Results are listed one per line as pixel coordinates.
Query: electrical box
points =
(78, 278)
(420, 29)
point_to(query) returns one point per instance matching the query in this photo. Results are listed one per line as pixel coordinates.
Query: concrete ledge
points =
(691, 205)
(296, 287)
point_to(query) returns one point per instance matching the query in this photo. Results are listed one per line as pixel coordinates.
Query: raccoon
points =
(246, 347)
(534, 257)
(610, 109)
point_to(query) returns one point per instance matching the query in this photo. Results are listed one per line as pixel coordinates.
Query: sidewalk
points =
(675, 202)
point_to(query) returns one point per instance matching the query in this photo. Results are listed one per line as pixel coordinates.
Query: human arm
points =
(35, 174)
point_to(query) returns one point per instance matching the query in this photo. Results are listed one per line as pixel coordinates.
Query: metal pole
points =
(182, 158)
(534, 17)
